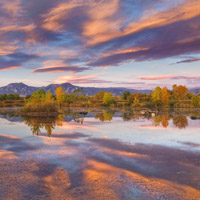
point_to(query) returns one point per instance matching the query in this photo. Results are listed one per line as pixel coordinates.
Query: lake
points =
(100, 154)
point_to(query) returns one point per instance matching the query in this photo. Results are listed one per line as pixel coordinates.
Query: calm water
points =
(100, 154)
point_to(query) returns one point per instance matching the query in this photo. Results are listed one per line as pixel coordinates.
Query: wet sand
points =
(100, 178)
(119, 160)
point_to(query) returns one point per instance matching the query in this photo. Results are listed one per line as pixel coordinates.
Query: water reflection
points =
(164, 119)
(116, 159)
(105, 115)
(38, 123)
(178, 119)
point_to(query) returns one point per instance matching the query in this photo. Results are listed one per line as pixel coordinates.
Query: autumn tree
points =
(165, 96)
(49, 97)
(40, 102)
(108, 99)
(136, 99)
(60, 95)
(180, 92)
(99, 96)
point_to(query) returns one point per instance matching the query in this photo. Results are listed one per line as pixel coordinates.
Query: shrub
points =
(108, 99)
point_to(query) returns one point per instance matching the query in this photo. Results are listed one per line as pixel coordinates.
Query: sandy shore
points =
(34, 181)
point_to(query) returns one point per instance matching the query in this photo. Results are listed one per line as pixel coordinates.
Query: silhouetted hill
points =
(23, 89)
(195, 90)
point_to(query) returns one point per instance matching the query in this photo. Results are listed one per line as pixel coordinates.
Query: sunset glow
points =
(102, 43)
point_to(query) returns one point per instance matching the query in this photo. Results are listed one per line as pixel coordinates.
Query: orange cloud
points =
(9, 68)
(103, 25)
(51, 19)
(59, 66)
(12, 7)
(7, 47)
(11, 28)
(185, 11)
(76, 78)
(100, 24)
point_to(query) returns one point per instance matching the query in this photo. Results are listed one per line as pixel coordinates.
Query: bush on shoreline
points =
(41, 103)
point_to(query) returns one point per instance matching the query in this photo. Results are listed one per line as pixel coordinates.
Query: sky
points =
(100, 43)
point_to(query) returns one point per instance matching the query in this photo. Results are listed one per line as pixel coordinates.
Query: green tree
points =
(195, 101)
(125, 95)
(40, 94)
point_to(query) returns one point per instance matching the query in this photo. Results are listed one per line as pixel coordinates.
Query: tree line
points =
(43, 101)
(9, 97)
(179, 96)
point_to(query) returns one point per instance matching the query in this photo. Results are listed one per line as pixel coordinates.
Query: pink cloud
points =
(168, 77)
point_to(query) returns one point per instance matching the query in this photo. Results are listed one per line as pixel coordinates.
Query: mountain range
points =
(23, 89)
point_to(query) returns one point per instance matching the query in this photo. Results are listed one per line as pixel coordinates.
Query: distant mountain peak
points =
(23, 89)
(18, 84)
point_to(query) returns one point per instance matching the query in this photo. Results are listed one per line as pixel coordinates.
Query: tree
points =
(40, 94)
(156, 96)
(60, 95)
(40, 102)
(199, 98)
(180, 92)
(195, 101)
(108, 99)
(136, 99)
(125, 95)
(49, 97)
(165, 96)
(79, 92)
(130, 99)
(99, 96)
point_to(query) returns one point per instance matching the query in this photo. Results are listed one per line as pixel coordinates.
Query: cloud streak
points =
(188, 61)
(170, 77)
(81, 79)
(52, 69)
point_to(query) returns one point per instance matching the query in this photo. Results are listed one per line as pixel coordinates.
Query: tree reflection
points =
(106, 115)
(165, 121)
(127, 116)
(195, 115)
(157, 120)
(180, 121)
(78, 116)
(36, 124)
